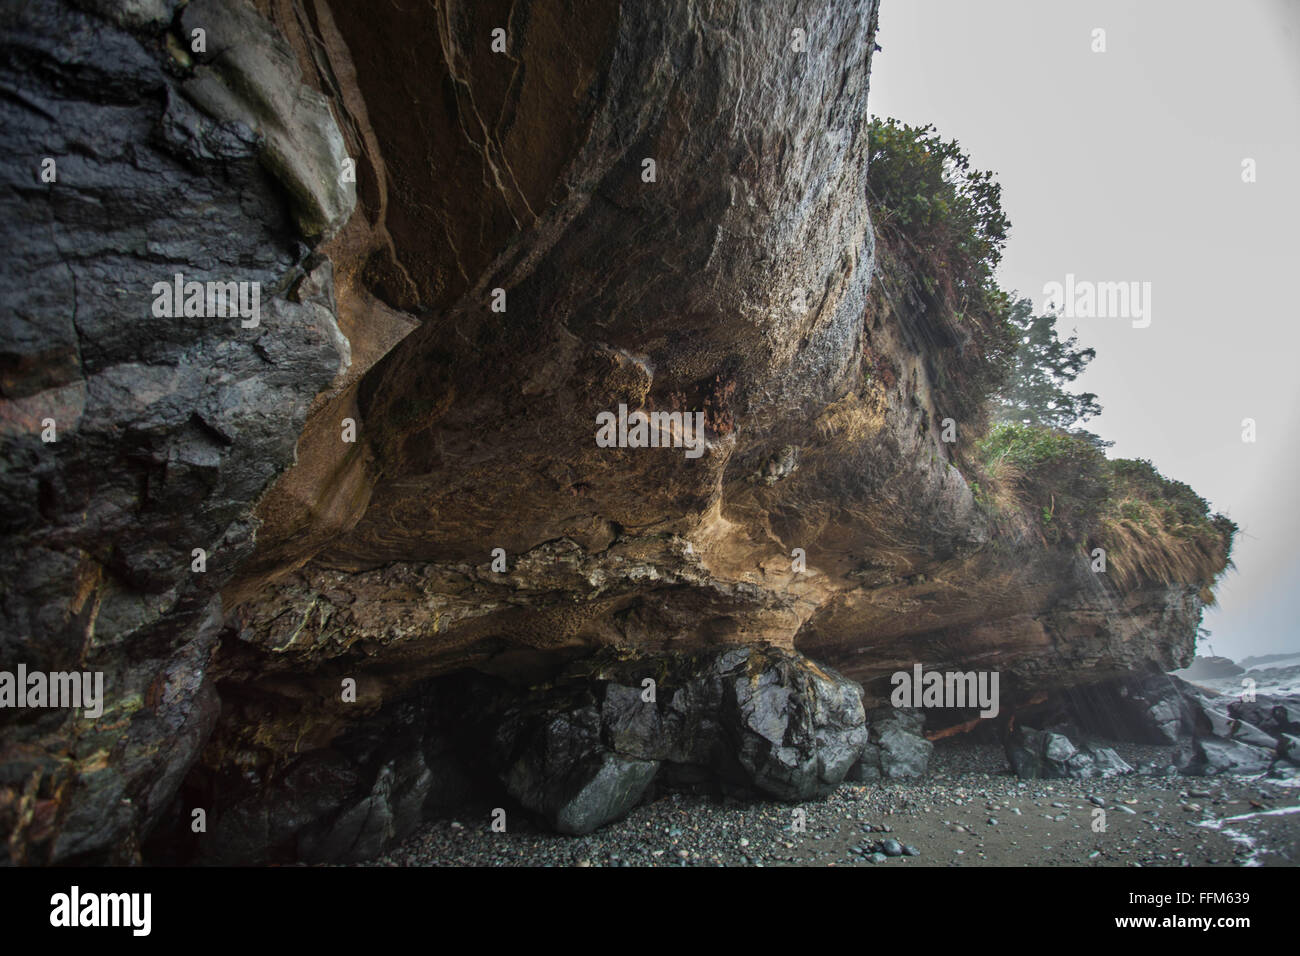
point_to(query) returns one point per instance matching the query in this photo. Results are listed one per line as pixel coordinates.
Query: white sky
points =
(1126, 166)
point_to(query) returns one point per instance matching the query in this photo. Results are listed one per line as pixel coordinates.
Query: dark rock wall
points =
(167, 429)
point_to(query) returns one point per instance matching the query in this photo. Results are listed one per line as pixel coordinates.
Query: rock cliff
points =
(469, 246)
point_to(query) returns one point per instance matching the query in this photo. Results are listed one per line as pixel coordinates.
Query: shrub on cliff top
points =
(952, 213)
(1157, 529)
(1062, 478)
(940, 233)
(1153, 529)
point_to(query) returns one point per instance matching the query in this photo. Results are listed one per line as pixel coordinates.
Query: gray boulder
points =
(1107, 762)
(552, 759)
(604, 789)
(798, 728)
(1036, 754)
(1288, 749)
(1215, 755)
(584, 752)
(1272, 714)
(1223, 724)
(899, 751)
(1158, 708)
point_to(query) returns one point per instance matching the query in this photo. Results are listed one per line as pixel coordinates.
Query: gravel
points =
(950, 817)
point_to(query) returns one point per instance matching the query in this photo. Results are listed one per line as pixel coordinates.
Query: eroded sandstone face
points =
(824, 516)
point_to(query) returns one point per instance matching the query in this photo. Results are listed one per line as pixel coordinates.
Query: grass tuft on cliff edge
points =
(1154, 530)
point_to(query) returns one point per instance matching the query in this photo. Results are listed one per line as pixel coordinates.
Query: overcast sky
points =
(1127, 166)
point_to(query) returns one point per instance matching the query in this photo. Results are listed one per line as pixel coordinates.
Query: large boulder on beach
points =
(1272, 714)
(553, 761)
(1288, 749)
(1223, 724)
(584, 751)
(1159, 708)
(898, 751)
(1214, 755)
(1035, 754)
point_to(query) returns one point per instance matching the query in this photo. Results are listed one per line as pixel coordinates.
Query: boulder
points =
(798, 728)
(1272, 714)
(552, 759)
(899, 752)
(1107, 762)
(604, 788)
(1223, 724)
(1214, 755)
(1160, 708)
(1288, 749)
(1035, 754)
(584, 751)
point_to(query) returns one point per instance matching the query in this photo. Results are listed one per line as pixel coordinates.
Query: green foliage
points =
(1152, 527)
(1031, 448)
(1043, 365)
(942, 233)
(1183, 510)
(1131, 511)
(1157, 529)
(1063, 476)
(926, 186)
